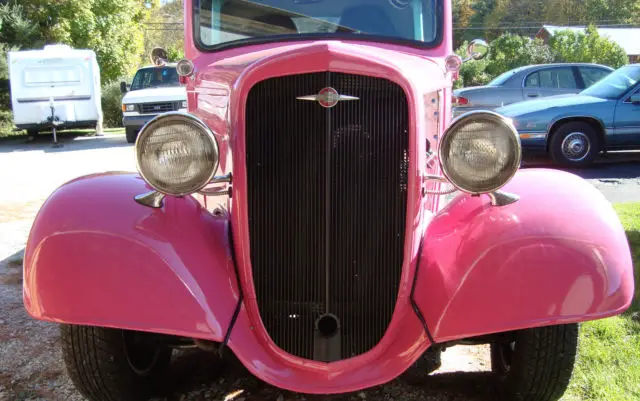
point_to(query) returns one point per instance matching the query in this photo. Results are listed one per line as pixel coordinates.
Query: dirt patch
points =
(12, 278)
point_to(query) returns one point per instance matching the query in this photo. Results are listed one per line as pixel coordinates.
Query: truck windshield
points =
(155, 77)
(220, 23)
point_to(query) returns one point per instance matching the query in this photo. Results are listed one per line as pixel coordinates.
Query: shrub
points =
(589, 47)
(112, 105)
(6, 123)
(512, 51)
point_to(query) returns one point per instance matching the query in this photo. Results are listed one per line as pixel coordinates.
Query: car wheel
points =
(574, 144)
(114, 365)
(32, 134)
(537, 364)
(132, 134)
(428, 363)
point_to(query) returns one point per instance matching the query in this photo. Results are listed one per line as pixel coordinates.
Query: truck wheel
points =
(574, 144)
(132, 134)
(428, 363)
(538, 364)
(113, 365)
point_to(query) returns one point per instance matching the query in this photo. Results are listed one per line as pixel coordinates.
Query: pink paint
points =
(559, 255)
(96, 257)
(477, 274)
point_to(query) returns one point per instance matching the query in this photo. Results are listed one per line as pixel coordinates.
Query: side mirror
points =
(477, 50)
(635, 99)
(124, 88)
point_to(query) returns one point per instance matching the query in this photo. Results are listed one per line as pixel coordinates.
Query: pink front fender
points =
(559, 255)
(96, 257)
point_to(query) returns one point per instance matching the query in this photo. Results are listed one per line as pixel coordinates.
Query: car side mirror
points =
(477, 50)
(635, 99)
(124, 88)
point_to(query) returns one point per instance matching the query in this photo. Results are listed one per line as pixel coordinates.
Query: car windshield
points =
(236, 22)
(155, 77)
(615, 84)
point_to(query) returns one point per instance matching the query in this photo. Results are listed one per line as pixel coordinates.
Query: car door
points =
(627, 122)
(550, 81)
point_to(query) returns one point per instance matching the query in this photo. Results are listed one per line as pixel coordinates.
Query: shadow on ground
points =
(198, 375)
(70, 141)
(618, 165)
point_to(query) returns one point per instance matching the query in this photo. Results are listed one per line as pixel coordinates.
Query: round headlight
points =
(177, 154)
(480, 152)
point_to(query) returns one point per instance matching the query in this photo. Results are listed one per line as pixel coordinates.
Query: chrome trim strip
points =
(532, 135)
(55, 99)
(623, 131)
(500, 198)
(215, 192)
(153, 199)
(221, 179)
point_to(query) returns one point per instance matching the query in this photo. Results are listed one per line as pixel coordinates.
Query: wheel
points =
(114, 365)
(428, 363)
(132, 134)
(538, 363)
(574, 144)
(32, 134)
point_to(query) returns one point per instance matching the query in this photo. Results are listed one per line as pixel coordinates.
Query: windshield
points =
(155, 77)
(615, 84)
(236, 22)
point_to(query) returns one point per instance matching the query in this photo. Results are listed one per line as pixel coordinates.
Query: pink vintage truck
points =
(296, 216)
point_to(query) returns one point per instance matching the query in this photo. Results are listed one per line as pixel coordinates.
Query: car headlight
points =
(480, 152)
(177, 154)
(184, 104)
(129, 107)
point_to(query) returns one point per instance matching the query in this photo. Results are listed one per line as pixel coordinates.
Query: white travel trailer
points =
(60, 77)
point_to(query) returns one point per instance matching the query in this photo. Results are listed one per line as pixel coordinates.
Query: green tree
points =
(463, 12)
(111, 28)
(16, 31)
(164, 28)
(588, 47)
(510, 51)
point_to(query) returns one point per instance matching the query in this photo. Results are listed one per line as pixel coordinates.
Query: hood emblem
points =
(328, 97)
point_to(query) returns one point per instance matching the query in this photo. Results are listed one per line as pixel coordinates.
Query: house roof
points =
(627, 38)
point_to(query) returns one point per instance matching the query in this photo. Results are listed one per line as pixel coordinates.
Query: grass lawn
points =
(608, 367)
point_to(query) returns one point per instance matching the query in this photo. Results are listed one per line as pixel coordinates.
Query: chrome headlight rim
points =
(488, 115)
(147, 130)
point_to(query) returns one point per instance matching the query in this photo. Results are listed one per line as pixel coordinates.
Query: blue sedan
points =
(574, 129)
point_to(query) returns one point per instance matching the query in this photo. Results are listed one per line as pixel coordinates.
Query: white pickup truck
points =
(154, 90)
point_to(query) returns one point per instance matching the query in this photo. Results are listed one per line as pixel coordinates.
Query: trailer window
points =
(52, 76)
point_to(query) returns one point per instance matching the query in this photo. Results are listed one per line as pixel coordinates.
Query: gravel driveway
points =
(30, 360)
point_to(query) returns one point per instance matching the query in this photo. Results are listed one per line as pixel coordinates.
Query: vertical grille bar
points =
(327, 195)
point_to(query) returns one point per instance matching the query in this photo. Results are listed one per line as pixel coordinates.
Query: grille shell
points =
(327, 198)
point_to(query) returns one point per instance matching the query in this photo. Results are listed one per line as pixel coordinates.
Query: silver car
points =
(528, 83)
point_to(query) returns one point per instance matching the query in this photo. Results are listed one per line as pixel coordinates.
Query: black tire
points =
(538, 365)
(428, 363)
(132, 134)
(575, 144)
(102, 365)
